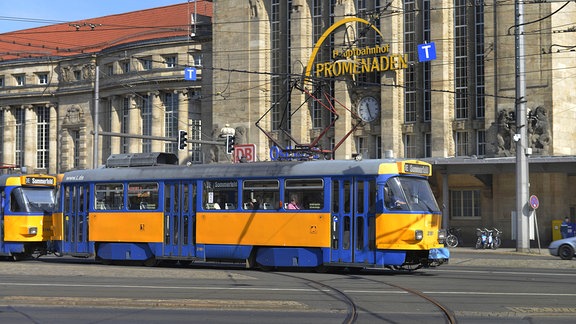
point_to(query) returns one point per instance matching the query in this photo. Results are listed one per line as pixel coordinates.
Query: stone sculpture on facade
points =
(506, 131)
(240, 137)
(538, 130)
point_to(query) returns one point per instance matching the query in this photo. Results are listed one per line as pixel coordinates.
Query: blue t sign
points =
(190, 74)
(426, 52)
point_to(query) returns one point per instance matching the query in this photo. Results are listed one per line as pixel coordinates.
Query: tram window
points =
(409, 194)
(143, 195)
(347, 191)
(220, 194)
(82, 202)
(335, 196)
(109, 196)
(308, 192)
(372, 196)
(32, 199)
(360, 198)
(359, 233)
(189, 200)
(260, 194)
(346, 233)
(16, 202)
(66, 198)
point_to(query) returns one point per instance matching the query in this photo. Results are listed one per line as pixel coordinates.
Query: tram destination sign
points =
(417, 168)
(39, 181)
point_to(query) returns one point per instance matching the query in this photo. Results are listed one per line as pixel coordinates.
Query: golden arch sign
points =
(373, 59)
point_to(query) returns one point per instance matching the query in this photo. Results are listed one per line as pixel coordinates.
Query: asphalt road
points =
(475, 287)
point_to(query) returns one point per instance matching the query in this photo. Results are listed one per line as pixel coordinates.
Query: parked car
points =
(564, 248)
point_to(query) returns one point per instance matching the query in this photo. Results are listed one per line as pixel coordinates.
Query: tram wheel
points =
(19, 256)
(184, 263)
(322, 269)
(408, 267)
(151, 262)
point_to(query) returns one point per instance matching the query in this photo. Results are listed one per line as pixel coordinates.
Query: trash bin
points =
(556, 235)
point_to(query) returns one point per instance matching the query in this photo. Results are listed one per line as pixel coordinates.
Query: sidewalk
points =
(508, 258)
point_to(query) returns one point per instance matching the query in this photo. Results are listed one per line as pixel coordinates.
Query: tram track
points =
(447, 313)
(352, 308)
(352, 311)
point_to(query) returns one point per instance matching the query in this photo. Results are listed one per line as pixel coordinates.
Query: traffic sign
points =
(244, 153)
(534, 203)
(427, 52)
(190, 74)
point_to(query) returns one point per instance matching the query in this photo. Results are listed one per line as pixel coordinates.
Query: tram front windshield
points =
(409, 194)
(32, 199)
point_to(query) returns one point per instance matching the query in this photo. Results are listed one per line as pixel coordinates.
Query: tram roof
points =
(236, 170)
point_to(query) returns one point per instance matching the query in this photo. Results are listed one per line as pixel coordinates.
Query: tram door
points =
(76, 220)
(352, 206)
(179, 219)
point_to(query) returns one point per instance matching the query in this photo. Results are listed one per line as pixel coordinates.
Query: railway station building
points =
(335, 79)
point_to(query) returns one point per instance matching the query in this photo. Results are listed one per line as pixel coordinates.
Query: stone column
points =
(115, 112)
(30, 137)
(8, 145)
(135, 126)
(157, 121)
(53, 139)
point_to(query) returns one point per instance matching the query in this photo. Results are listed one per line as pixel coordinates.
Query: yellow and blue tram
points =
(352, 214)
(26, 202)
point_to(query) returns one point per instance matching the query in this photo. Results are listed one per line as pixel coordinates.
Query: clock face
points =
(368, 109)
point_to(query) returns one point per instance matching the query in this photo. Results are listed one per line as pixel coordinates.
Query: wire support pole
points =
(96, 114)
(521, 137)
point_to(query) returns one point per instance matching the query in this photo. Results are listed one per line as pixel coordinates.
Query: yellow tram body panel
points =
(397, 231)
(24, 228)
(264, 229)
(56, 230)
(118, 227)
(126, 227)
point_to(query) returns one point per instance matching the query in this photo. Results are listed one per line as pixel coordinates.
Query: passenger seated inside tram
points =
(250, 204)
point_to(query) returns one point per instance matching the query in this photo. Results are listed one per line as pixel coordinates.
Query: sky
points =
(24, 14)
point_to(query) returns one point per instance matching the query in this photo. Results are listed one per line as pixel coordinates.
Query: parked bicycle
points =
(488, 238)
(496, 241)
(454, 237)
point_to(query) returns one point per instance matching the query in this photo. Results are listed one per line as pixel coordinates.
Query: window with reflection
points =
(304, 194)
(109, 196)
(220, 194)
(143, 195)
(260, 194)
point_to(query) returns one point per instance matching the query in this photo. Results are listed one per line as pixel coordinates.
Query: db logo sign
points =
(244, 152)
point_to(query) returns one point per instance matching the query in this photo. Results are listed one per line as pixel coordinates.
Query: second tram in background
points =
(26, 201)
(313, 214)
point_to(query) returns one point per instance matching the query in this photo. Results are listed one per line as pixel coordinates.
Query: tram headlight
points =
(441, 236)
(32, 230)
(418, 235)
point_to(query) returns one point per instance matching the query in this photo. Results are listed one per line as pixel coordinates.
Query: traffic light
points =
(182, 140)
(230, 144)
